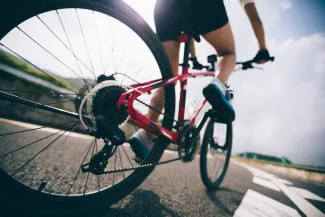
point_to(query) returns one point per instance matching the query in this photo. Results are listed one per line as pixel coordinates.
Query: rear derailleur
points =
(113, 137)
(99, 161)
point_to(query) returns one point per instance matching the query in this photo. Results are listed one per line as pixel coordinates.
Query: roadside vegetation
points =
(275, 160)
(15, 62)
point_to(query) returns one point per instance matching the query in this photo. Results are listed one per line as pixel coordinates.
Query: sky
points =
(279, 111)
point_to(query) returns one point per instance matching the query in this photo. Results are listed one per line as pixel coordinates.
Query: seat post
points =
(187, 50)
(186, 38)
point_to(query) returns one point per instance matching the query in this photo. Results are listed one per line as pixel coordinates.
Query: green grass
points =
(23, 66)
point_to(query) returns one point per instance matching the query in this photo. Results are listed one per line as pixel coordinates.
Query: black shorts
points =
(172, 17)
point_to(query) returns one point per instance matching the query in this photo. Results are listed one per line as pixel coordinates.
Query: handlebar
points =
(212, 59)
(249, 64)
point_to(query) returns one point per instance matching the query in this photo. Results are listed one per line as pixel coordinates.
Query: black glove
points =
(262, 56)
(196, 64)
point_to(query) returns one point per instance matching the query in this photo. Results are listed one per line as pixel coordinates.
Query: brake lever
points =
(247, 65)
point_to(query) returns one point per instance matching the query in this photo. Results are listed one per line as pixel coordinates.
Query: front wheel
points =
(215, 153)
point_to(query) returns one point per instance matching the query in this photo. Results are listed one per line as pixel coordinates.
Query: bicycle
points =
(102, 123)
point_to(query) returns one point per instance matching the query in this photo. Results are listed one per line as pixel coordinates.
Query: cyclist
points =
(262, 55)
(209, 19)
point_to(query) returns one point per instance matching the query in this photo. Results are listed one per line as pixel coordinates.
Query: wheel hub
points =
(102, 115)
(104, 103)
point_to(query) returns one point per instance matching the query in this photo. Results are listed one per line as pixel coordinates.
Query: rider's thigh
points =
(172, 50)
(222, 40)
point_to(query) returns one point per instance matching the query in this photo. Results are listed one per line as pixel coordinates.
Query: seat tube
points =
(185, 66)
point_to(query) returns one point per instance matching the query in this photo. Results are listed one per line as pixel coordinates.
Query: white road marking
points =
(47, 129)
(307, 194)
(255, 204)
(307, 208)
(286, 182)
(265, 183)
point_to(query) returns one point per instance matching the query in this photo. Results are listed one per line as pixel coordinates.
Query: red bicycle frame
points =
(126, 100)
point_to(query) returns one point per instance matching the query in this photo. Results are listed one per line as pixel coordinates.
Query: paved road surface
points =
(176, 189)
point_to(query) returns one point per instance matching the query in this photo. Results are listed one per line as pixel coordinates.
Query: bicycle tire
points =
(214, 184)
(31, 202)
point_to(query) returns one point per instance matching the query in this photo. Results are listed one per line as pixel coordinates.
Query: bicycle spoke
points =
(22, 131)
(42, 92)
(98, 44)
(98, 183)
(92, 154)
(126, 76)
(114, 169)
(109, 59)
(38, 154)
(25, 146)
(50, 160)
(19, 108)
(138, 71)
(119, 64)
(49, 91)
(126, 71)
(71, 50)
(49, 52)
(78, 170)
(67, 169)
(118, 149)
(37, 68)
(110, 32)
(92, 67)
(217, 169)
(127, 156)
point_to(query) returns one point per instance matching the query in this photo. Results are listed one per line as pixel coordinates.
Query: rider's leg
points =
(223, 42)
(142, 141)
(157, 101)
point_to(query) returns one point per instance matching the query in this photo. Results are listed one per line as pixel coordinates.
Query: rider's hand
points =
(196, 64)
(262, 56)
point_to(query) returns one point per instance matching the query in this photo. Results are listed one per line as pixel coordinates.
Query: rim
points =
(56, 149)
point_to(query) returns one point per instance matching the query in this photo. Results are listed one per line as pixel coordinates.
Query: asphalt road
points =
(173, 189)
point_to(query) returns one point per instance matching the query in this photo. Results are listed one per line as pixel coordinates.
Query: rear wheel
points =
(215, 153)
(40, 165)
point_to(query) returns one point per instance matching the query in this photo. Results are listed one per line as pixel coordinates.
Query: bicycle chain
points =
(152, 108)
(141, 166)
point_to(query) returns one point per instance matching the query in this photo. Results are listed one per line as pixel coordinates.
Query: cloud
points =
(285, 4)
(280, 110)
